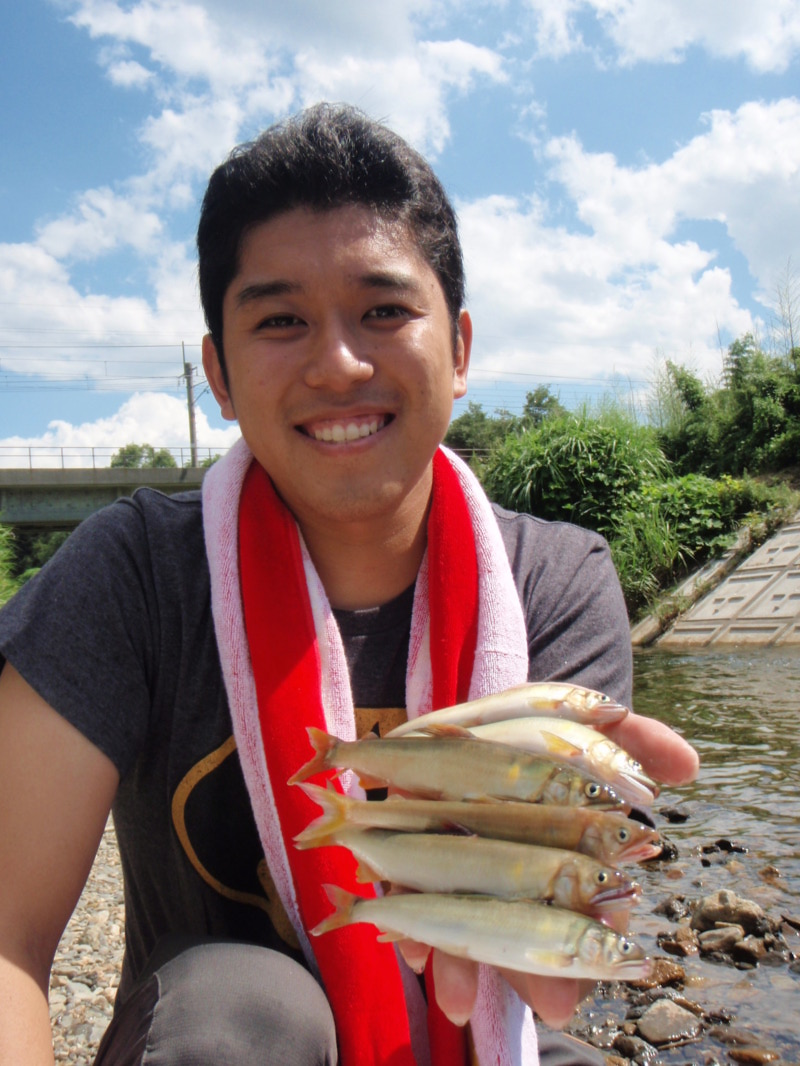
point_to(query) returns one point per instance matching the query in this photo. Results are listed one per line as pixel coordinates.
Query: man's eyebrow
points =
(261, 290)
(398, 280)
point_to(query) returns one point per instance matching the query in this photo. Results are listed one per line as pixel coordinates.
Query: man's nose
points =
(336, 359)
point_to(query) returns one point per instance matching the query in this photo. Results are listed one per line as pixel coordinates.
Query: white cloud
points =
(743, 172)
(547, 301)
(766, 35)
(151, 418)
(408, 91)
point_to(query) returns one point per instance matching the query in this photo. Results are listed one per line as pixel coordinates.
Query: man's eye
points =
(386, 312)
(279, 322)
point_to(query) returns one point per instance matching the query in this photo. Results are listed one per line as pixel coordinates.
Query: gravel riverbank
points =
(87, 964)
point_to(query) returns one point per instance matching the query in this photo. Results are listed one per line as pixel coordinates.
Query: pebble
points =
(86, 969)
(665, 1022)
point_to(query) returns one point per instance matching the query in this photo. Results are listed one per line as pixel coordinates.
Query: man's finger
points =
(456, 984)
(663, 753)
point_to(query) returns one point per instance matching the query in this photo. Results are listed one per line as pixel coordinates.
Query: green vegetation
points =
(142, 456)
(750, 422)
(666, 495)
(8, 584)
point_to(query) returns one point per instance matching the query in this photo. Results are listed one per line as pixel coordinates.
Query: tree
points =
(142, 456)
(539, 405)
(476, 432)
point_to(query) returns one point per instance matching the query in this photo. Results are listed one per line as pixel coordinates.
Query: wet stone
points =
(665, 1022)
(722, 939)
(635, 1049)
(682, 941)
(753, 1056)
(673, 907)
(664, 972)
(725, 907)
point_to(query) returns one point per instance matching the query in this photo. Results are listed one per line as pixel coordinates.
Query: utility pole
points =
(188, 373)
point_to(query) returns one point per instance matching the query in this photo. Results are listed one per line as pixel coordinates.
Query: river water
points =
(741, 709)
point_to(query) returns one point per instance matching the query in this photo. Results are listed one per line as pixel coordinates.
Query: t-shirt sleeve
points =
(83, 630)
(578, 628)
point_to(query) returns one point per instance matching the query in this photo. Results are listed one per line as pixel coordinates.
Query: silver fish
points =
(455, 768)
(519, 935)
(573, 744)
(479, 866)
(551, 698)
(608, 836)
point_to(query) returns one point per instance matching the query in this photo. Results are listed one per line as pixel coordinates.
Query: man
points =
(352, 570)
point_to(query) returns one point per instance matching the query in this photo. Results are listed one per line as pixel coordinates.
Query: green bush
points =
(8, 583)
(576, 468)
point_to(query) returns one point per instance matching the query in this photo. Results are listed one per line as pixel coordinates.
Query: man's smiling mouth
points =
(344, 430)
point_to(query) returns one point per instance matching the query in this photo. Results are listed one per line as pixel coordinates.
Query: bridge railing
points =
(88, 457)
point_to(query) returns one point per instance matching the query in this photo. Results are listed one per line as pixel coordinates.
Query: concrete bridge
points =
(60, 499)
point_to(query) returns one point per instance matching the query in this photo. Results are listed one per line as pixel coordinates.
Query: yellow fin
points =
(559, 747)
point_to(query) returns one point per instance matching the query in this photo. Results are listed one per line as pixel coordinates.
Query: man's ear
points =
(216, 378)
(461, 355)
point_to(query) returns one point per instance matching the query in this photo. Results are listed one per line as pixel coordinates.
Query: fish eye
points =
(602, 877)
(623, 834)
(593, 790)
(625, 946)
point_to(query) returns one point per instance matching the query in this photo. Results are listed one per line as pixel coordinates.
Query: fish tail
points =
(323, 745)
(334, 815)
(344, 902)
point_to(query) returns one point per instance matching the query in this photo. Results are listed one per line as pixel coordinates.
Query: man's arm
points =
(56, 790)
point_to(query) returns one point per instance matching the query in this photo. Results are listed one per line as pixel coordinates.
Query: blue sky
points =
(626, 173)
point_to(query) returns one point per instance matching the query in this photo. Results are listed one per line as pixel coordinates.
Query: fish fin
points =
(559, 747)
(344, 902)
(333, 817)
(446, 729)
(323, 745)
(366, 874)
(553, 960)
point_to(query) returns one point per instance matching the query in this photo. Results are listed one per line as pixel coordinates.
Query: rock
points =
(725, 907)
(676, 815)
(664, 972)
(635, 1049)
(770, 874)
(723, 938)
(753, 1055)
(733, 1035)
(673, 907)
(682, 941)
(750, 949)
(665, 1022)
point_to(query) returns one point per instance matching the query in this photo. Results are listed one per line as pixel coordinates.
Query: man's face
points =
(341, 365)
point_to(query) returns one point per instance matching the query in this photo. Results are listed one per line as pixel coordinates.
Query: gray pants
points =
(222, 1003)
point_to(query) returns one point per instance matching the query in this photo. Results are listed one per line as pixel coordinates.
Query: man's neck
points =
(367, 566)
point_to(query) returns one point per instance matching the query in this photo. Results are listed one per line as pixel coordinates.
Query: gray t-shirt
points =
(116, 634)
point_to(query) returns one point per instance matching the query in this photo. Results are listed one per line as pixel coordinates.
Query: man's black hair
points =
(326, 157)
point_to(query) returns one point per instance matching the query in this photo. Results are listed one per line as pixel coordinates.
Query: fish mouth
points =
(640, 852)
(639, 790)
(345, 430)
(617, 897)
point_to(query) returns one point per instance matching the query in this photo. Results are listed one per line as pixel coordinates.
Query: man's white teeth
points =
(340, 432)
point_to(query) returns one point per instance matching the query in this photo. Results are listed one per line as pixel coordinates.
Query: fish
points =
(455, 768)
(572, 743)
(608, 836)
(550, 698)
(476, 865)
(529, 937)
